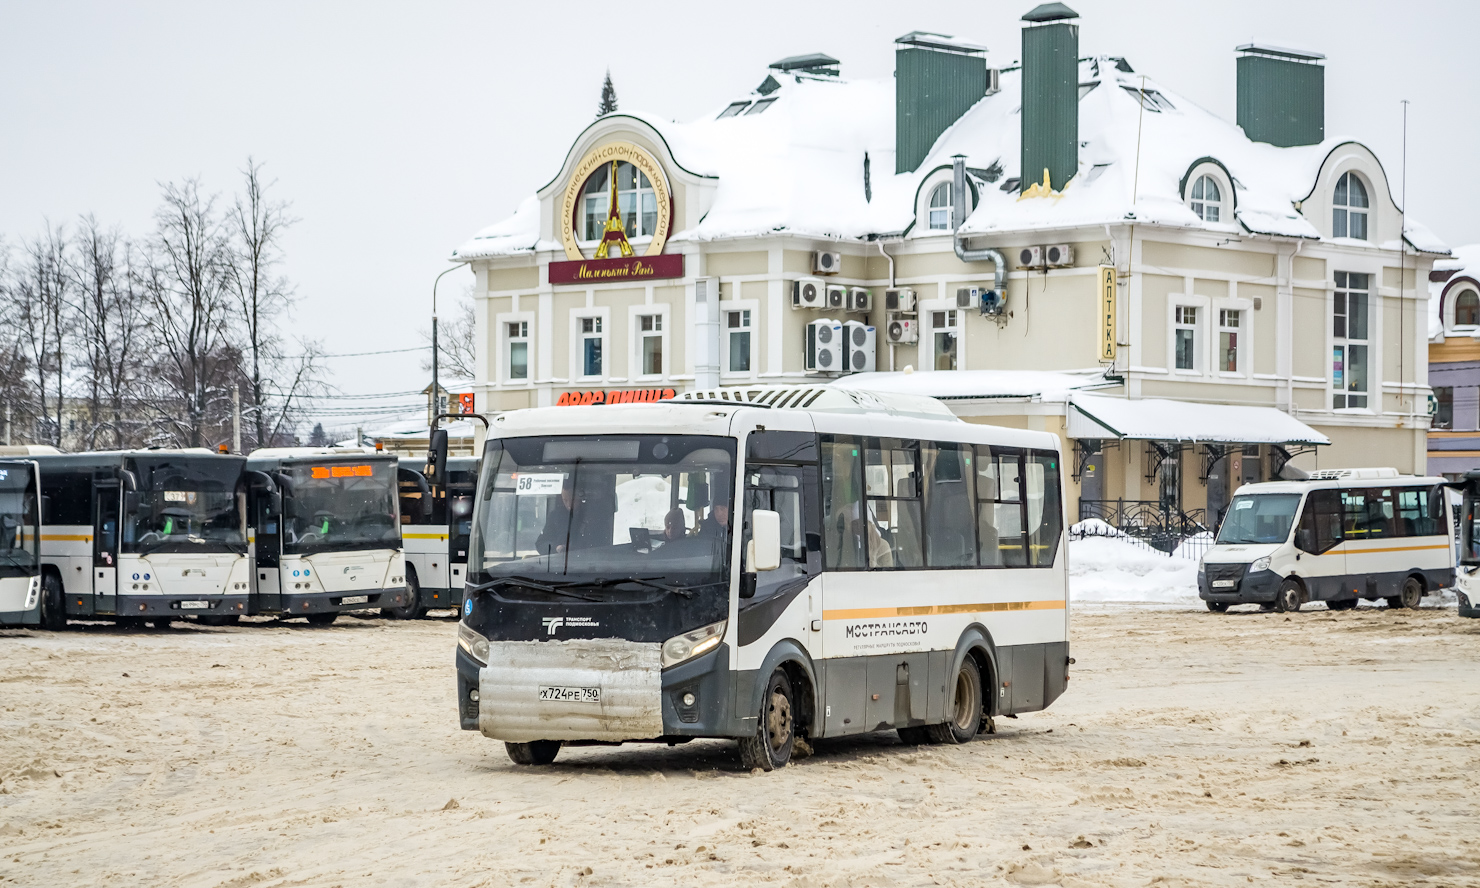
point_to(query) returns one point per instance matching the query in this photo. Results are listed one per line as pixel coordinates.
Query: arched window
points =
(1206, 199)
(1349, 208)
(940, 207)
(636, 202)
(1467, 309)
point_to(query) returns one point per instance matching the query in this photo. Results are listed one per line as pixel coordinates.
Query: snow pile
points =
(1116, 568)
(1100, 416)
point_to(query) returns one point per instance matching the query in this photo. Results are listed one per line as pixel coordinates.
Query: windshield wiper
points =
(649, 582)
(555, 588)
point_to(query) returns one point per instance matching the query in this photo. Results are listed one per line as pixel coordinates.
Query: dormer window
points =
(940, 207)
(1349, 208)
(1206, 199)
(1467, 309)
(636, 202)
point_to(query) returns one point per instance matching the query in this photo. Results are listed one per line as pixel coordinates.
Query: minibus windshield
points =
(18, 537)
(597, 510)
(1261, 518)
(185, 504)
(340, 505)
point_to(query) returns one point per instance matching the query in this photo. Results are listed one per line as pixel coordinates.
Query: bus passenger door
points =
(105, 546)
(267, 551)
(1318, 536)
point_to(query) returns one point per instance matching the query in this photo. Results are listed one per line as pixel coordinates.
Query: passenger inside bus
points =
(557, 521)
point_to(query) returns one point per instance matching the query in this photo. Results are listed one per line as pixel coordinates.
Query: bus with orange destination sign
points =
(326, 532)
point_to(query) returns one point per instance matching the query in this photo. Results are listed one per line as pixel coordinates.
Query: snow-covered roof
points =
(1154, 419)
(1463, 262)
(1038, 385)
(798, 165)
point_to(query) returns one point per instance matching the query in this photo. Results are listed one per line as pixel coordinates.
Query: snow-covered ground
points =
(1114, 569)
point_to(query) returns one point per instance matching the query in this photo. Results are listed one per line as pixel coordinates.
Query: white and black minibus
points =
(1339, 537)
(327, 532)
(20, 541)
(1467, 582)
(760, 564)
(139, 535)
(435, 523)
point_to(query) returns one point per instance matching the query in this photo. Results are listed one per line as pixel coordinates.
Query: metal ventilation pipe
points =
(958, 209)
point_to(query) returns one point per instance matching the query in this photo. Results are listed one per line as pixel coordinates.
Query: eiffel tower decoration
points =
(616, 232)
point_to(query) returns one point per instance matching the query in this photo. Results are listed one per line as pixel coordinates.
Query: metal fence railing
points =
(1147, 524)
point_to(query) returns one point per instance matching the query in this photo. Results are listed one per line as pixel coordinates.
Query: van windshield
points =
(1261, 518)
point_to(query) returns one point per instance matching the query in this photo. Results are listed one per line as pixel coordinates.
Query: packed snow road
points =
(1190, 749)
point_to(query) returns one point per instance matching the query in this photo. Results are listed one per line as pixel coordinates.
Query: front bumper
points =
(1466, 609)
(639, 700)
(300, 604)
(1259, 587)
(152, 606)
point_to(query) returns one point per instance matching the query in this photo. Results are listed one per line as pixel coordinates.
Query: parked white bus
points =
(1467, 581)
(139, 535)
(894, 568)
(435, 523)
(1339, 537)
(20, 541)
(327, 536)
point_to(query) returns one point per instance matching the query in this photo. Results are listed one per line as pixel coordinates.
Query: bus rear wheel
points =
(322, 619)
(1289, 598)
(53, 610)
(535, 752)
(775, 735)
(1409, 597)
(966, 707)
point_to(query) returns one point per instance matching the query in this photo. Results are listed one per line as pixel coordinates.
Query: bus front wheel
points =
(770, 747)
(53, 611)
(1409, 597)
(535, 752)
(1290, 597)
(966, 707)
(322, 619)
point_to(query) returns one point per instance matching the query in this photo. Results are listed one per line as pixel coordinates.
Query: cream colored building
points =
(1246, 275)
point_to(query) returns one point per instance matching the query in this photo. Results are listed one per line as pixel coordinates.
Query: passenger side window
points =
(843, 526)
(999, 507)
(1416, 513)
(950, 489)
(1320, 522)
(1045, 519)
(779, 489)
(892, 476)
(1368, 513)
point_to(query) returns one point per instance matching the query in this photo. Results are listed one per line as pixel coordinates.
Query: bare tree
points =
(456, 342)
(38, 297)
(256, 225)
(187, 284)
(110, 316)
(17, 404)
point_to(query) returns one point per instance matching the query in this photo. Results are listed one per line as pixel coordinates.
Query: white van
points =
(1338, 537)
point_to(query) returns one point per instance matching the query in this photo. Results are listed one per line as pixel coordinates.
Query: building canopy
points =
(1153, 419)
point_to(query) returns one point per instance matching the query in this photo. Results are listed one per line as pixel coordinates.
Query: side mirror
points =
(763, 552)
(436, 472)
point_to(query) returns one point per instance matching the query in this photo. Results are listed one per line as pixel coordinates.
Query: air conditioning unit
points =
(902, 331)
(1058, 255)
(860, 344)
(1030, 257)
(824, 262)
(902, 299)
(860, 299)
(984, 299)
(824, 346)
(837, 297)
(966, 296)
(808, 293)
(994, 81)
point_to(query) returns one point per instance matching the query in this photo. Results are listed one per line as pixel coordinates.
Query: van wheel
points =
(53, 611)
(411, 610)
(1290, 597)
(535, 752)
(770, 747)
(1409, 597)
(966, 707)
(1218, 607)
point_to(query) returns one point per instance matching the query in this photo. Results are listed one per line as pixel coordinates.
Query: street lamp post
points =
(437, 388)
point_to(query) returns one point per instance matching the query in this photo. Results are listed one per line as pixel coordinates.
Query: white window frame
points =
(1451, 307)
(1200, 345)
(1373, 391)
(642, 237)
(503, 320)
(1245, 309)
(1200, 205)
(635, 337)
(752, 306)
(578, 345)
(1347, 207)
(948, 210)
(925, 314)
(940, 177)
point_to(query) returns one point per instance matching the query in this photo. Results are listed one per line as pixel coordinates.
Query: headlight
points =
(691, 644)
(1259, 564)
(475, 644)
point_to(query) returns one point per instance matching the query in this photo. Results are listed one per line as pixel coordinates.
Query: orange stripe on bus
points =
(73, 537)
(1394, 549)
(866, 613)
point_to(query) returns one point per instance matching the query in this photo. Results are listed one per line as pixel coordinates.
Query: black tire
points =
(1342, 604)
(322, 619)
(53, 609)
(164, 623)
(913, 736)
(412, 609)
(775, 734)
(1218, 607)
(1409, 597)
(1289, 598)
(966, 707)
(219, 620)
(535, 752)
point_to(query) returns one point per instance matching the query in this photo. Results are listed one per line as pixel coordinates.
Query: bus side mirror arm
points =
(763, 552)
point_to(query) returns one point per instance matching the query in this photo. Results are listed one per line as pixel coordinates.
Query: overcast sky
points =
(397, 130)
